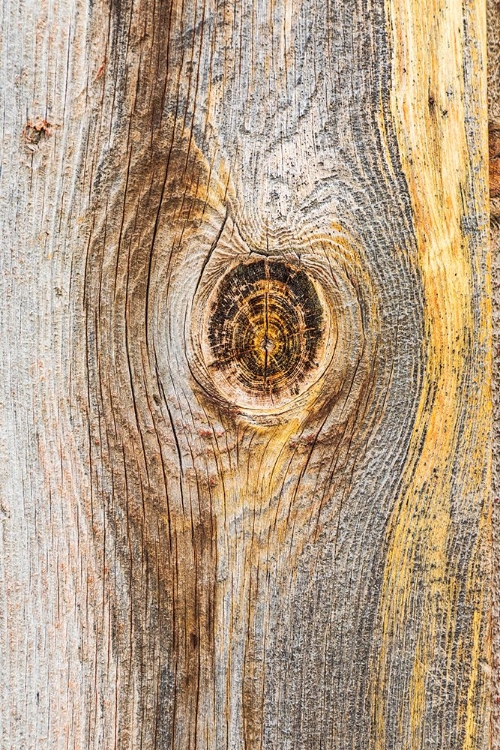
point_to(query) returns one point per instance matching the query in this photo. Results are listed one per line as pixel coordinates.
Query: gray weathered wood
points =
(192, 562)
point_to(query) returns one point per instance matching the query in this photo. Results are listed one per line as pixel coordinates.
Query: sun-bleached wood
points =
(206, 553)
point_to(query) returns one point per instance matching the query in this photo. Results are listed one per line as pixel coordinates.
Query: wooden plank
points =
(493, 28)
(247, 332)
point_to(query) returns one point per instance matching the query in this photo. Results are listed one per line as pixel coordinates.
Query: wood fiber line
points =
(297, 564)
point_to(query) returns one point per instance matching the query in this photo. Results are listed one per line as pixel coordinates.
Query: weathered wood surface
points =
(245, 375)
(493, 28)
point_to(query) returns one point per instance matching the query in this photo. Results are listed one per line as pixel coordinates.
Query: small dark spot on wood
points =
(37, 130)
(101, 70)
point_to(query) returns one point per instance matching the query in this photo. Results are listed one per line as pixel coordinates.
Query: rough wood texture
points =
(246, 375)
(493, 26)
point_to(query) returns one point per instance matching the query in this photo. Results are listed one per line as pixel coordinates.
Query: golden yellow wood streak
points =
(430, 104)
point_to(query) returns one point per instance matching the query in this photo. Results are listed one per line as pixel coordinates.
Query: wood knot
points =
(265, 333)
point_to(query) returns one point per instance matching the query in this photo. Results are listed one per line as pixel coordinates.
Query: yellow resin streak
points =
(428, 102)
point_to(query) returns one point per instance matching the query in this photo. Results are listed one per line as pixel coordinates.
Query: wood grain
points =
(493, 29)
(250, 458)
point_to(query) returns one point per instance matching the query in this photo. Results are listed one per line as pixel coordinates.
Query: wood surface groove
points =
(245, 376)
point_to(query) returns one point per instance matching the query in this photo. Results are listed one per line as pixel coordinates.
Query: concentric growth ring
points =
(265, 333)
